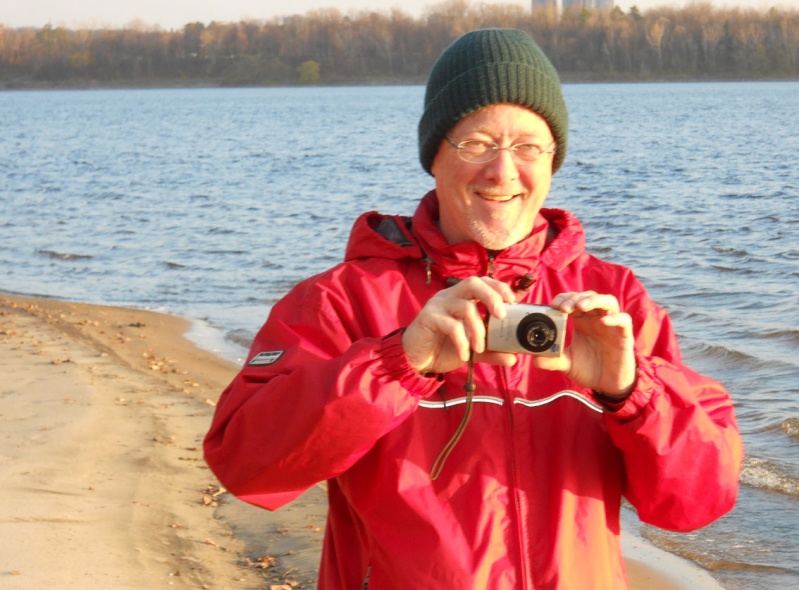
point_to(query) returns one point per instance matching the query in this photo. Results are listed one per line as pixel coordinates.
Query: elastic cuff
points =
(611, 404)
(397, 366)
(630, 407)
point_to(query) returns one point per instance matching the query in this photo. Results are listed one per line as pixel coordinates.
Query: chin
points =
(496, 234)
(497, 246)
(493, 240)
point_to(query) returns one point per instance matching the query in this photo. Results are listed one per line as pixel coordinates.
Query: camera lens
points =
(536, 332)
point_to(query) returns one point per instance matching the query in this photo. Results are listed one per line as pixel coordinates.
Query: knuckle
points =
(472, 282)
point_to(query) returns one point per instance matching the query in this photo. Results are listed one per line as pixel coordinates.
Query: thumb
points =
(560, 363)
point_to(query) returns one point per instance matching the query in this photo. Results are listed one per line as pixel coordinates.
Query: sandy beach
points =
(104, 411)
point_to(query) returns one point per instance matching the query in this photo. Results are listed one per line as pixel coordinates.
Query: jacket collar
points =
(556, 240)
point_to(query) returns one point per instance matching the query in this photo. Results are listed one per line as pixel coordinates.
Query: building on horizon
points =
(562, 5)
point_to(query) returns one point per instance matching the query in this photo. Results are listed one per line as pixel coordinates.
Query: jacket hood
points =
(557, 240)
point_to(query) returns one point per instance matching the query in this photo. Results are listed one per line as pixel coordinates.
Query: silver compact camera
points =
(531, 329)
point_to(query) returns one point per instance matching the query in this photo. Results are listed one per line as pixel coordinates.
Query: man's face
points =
(494, 203)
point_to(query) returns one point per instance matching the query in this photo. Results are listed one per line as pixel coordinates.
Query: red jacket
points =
(530, 496)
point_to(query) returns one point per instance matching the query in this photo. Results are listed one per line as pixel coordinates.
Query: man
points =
(448, 465)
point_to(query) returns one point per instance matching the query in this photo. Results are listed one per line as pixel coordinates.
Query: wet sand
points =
(104, 410)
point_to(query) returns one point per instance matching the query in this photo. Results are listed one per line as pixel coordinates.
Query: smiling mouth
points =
(505, 198)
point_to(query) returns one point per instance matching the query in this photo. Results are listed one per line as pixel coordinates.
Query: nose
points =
(503, 167)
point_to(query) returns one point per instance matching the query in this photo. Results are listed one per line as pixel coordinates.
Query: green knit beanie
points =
(491, 66)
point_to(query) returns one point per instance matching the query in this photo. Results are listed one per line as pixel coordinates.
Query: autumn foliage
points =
(331, 47)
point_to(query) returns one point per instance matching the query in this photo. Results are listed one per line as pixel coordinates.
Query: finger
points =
(566, 301)
(622, 323)
(507, 294)
(503, 359)
(455, 331)
(474, 327)
(488, 291)
(617, 320)
(586, 302)
(596, 302)
(462, 323)
(561, 298)
(560, 363)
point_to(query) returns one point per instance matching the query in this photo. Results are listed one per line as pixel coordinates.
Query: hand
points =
(446, 330)
(601, 355)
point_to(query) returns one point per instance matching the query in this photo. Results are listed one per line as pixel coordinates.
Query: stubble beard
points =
(491, 238)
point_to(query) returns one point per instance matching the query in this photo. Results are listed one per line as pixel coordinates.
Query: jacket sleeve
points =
(677, 431)
(309, 415)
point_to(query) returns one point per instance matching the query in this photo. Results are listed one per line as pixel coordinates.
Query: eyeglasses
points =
(475, 151)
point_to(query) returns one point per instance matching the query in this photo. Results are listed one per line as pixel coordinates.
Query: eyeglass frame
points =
(493, 150)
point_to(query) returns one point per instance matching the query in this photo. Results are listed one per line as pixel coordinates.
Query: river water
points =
(212, 203)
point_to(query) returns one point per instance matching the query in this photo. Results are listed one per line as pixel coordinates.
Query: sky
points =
(173, 14)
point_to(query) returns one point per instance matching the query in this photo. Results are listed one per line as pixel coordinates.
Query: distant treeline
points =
(331, 47)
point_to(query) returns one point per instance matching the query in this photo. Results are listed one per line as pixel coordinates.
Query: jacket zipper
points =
(520, 527)
(517, 503)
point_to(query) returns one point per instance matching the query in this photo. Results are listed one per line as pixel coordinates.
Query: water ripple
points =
(214, 203)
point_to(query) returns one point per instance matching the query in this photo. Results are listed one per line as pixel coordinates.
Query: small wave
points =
(735, 269)
(731, 250)
(174, 265)
(790, 426)
(786, 335)
(63, 255)
(768, 218)
(223, 251)
(240, 337)
(767, 475)
(705, 551)
(599, 250)
(271, 265)
(720, 352)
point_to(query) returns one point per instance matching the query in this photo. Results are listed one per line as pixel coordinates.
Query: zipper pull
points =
(490, 269)
(523, 283)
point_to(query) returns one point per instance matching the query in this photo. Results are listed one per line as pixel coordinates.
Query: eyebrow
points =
(526, 137)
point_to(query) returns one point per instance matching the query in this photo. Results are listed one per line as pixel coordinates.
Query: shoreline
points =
(105, 409)
(574, 79)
